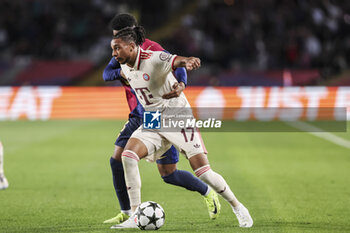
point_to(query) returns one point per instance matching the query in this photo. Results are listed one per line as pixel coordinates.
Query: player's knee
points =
(137, 146)
(199, 160)
(170, 178)
(166, 169)
(117, 154)
(129, 157)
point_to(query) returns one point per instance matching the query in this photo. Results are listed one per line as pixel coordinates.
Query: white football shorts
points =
(188, 141)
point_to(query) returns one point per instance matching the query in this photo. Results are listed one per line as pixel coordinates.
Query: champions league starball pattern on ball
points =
(150, 216)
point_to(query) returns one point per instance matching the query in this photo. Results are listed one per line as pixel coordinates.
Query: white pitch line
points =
(320, 133)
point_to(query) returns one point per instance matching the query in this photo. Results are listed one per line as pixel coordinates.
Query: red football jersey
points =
(151, 45)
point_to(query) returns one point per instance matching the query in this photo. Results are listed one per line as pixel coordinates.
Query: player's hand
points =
(192, 63)
(178, 89)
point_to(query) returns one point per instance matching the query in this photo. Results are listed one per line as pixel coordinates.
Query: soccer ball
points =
(150, 216)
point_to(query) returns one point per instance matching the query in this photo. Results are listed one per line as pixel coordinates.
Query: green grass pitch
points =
(60, 181)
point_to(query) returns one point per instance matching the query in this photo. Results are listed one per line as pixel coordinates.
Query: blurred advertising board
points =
(238, 103)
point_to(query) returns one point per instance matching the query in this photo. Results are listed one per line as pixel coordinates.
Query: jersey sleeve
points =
(181, 75)
(112, 71)
(164, 61)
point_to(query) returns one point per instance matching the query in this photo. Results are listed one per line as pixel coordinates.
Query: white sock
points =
(217, 182)
(208, 191)
(1, 160)
(236, 208)
(132, 176)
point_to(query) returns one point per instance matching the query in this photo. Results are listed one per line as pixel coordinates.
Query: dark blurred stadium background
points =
(262, 61)
(241, 42)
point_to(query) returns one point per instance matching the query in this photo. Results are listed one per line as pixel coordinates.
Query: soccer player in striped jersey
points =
(167, 164)
(150, 74)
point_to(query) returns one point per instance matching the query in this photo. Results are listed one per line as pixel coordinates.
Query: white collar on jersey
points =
(138, 59)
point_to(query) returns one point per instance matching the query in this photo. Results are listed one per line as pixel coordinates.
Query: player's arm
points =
(167, 62)
(181, 77)
(190, 63)
(179, 73)
(112, 71)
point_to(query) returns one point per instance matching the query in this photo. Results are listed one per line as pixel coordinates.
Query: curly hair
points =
(134, 34)
(121, 21)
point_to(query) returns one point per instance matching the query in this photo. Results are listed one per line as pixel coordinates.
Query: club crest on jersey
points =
(164, 56)
(146, 77)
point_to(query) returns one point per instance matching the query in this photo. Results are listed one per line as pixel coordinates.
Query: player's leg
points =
(141, 144)
(182, 178)
(3, 181)
(133, 152)
(119, 181)
(118, 172)
(120, 187)
(201, 167)
(171, 175)
(190, 142)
